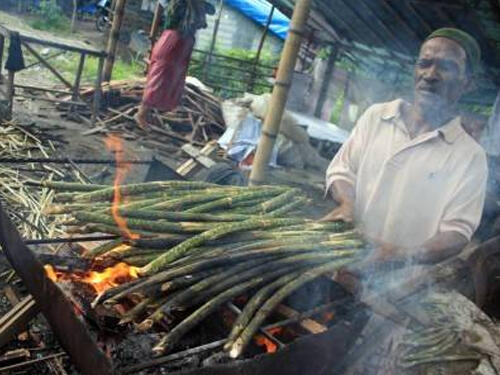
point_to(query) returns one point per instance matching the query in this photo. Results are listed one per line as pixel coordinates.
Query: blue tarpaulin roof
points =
(259, 11)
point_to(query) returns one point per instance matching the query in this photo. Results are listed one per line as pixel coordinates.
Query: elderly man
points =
(409, 175)
(414, 182)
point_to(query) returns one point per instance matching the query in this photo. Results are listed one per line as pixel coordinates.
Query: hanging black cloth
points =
(15, 60)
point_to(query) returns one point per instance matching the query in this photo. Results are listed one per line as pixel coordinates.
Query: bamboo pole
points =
(113, 39)
(280, 91)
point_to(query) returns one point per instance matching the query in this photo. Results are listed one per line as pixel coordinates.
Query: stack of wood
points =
(197, 120)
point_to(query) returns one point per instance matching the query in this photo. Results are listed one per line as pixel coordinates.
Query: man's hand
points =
(344, 212)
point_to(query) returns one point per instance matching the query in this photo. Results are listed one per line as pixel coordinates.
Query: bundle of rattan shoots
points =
(197, 246)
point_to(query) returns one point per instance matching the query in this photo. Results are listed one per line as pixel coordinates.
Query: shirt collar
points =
(449, 132)
(393, 110)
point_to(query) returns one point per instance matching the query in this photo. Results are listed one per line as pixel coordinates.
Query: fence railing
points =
(231, 76)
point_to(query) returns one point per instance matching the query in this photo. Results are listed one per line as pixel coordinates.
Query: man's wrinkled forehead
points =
(443, 48)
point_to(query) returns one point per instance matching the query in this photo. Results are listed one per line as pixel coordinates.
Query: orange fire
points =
(115, 144)
(100, 281)
(270, 346)
(261, 340)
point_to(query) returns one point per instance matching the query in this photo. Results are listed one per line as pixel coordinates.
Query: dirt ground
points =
(45, 115)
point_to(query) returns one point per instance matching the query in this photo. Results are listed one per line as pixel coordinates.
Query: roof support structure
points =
(279, 97)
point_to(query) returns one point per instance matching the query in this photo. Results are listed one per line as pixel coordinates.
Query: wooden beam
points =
(48, 66)
(419, 18)
(28, 39)
(78, 78)
(98, 90)
(368, 9)
(155, 24)
(357, 15)
(114, 36)
(390, 9)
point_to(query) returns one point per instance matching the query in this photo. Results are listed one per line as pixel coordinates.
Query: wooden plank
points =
(198, 155)
(16, 319)
(309, 325)
(187, 167)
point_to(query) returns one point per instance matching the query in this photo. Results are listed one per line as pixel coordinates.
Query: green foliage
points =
(324, 53)
(231, 75)
(49, 16)
(337, 109)
(484, 110)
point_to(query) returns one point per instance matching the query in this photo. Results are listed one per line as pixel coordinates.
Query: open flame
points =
(270, 346)
(115, 144)
(100, 281)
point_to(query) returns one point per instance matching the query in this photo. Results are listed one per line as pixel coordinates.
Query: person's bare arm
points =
(441, 246)
(343, 193)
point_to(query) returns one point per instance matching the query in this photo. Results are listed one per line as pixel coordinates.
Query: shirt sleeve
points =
(345, 164)
(464, 211)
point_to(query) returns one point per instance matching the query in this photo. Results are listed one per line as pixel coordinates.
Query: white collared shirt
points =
(408, 190)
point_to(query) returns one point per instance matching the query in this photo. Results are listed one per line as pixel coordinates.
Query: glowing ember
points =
(115, 144)
(270, 346)
(328, 316)
(100, 281)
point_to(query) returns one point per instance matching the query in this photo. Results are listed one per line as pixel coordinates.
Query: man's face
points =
(440, 74)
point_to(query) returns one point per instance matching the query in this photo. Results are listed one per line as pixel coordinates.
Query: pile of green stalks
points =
(203, 245)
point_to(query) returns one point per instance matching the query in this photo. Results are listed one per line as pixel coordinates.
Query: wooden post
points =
(10, 93)
(113, 39)
(78, 78)
(97, 92)
(280, 92)
(325, 83)
(2, 47)
(259, 49)
(155, 24)
(73, 16)
(208, 59)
